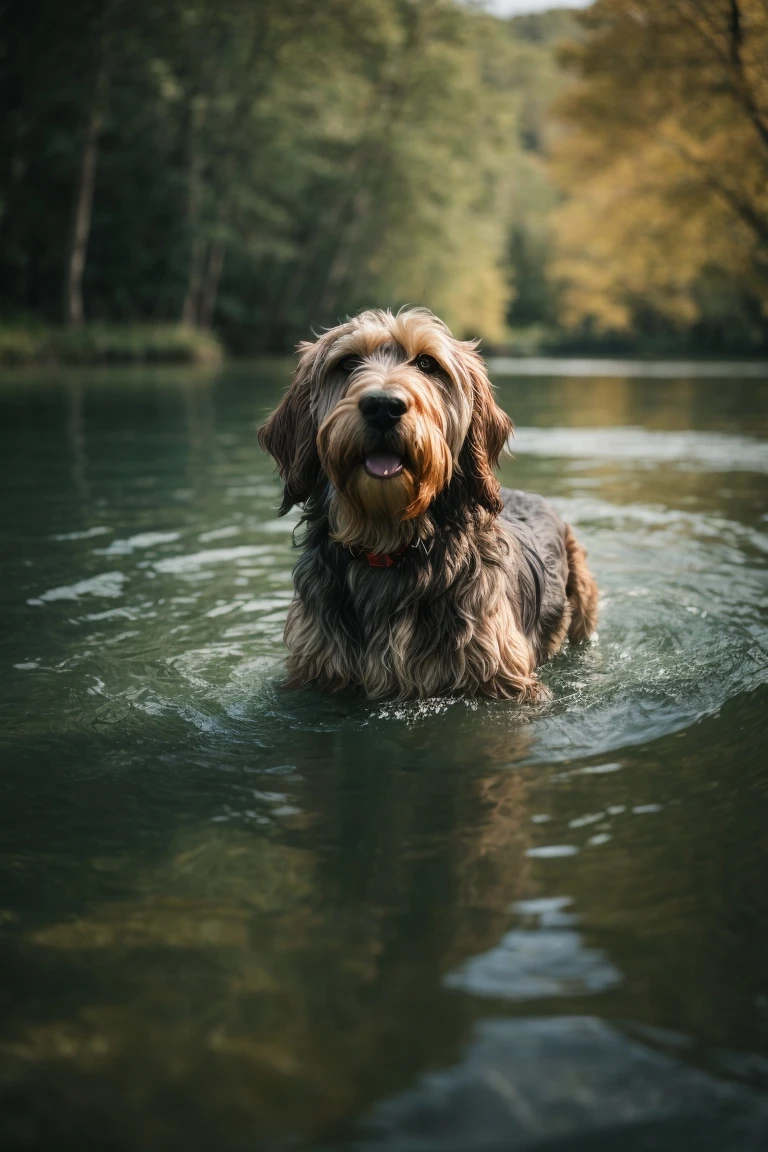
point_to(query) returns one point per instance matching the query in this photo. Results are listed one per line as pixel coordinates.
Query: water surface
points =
(241, 918)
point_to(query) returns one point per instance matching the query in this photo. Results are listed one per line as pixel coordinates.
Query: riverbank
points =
(540, 340)
(28, 344)
(602, 367)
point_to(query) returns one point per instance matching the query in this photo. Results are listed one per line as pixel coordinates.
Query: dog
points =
(419, 575)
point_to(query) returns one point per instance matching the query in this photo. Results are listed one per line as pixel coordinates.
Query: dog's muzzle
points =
(382, 410)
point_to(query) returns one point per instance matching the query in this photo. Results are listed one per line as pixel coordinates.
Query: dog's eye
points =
(349, 364)
(426, 364)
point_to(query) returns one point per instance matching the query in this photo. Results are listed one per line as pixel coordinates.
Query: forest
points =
(253, 168)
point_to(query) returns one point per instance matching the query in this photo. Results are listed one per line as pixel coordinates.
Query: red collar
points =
(386, 559)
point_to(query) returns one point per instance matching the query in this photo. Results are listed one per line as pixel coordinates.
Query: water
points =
(240, 918)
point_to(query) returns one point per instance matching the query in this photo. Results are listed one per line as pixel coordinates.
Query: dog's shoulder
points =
(539, 534)
(529, 508)
(538, 529)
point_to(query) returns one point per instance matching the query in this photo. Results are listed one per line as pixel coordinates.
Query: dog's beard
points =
(382, 513)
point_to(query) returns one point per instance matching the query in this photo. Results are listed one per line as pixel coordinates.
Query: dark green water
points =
(237, 918)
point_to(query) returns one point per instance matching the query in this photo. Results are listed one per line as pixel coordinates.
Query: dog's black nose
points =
(382, 410)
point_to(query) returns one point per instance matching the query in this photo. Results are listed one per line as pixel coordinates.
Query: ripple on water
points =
(171, 793)
(106, 584)
(705, 451)
(682, 622)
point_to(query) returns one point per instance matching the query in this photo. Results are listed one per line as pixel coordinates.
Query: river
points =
(235, 917)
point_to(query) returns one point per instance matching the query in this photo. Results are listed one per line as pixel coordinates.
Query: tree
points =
(665, 163)
(264, 166)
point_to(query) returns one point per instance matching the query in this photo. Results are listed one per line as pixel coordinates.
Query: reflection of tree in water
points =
(628, 401)
(272, 981)
(658, 406)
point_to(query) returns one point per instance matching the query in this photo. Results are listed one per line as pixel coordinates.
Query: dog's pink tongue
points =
(383, 464)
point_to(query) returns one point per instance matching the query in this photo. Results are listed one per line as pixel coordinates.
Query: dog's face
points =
(388, 409)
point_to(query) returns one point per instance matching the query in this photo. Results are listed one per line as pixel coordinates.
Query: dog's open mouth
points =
(382, 465)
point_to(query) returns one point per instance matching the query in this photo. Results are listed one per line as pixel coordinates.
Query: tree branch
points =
(746, 212)
(728, 46)
(743, 86)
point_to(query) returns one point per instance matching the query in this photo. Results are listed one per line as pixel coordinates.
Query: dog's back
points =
(558, 570)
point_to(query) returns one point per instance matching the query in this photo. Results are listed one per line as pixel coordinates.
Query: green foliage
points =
(261, 167)
(35, 343)
(23, 344)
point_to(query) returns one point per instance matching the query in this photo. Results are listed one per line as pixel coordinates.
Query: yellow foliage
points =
(666, 160)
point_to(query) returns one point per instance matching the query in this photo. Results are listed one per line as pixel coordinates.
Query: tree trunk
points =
(81, 229)
(346, 251)
(210, 285)
(191, 306)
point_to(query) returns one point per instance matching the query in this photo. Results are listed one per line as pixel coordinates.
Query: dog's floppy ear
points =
(289, 435)
(489, 430)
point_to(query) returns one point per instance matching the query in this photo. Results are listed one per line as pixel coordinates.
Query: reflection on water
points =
(238, 917)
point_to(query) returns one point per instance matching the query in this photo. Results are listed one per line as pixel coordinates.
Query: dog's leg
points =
(581, 591)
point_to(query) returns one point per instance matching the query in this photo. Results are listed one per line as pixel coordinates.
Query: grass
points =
(33, 343)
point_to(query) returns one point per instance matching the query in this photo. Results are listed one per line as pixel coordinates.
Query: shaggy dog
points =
(419, 574)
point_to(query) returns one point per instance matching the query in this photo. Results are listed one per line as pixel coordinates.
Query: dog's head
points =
(391, 409)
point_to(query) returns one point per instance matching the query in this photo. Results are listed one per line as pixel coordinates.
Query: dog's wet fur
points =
(419, 575)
